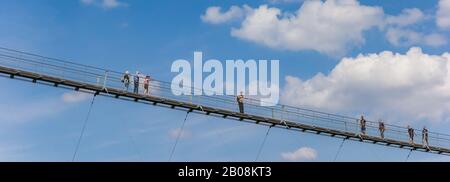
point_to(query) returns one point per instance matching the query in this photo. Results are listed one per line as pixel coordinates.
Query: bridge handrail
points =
(114, 79)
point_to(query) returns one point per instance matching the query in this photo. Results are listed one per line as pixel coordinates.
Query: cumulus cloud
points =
(412, 86)
(107, 4)
(400, 33)
(407, 37)
(23, 111)
(173, 133)
(435, 40)
(214, 15)
(407, 17)
(443, 14)
(302, 154)
(284, 1)
(327, 27)
(331, 27)
(74, 97)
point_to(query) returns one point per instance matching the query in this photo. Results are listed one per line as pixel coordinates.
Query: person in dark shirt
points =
(362, 123)
(126, 80)
(411, 134)
(240, 99)
(136, 82)
(382, 128)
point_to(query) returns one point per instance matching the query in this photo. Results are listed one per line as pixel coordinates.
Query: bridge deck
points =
(39, 69)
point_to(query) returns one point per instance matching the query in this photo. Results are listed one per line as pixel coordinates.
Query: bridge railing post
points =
(105, 80)
(62, 71)
(437, 141)
(345, 125)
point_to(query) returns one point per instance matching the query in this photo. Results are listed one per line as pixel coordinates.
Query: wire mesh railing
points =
(113, 79)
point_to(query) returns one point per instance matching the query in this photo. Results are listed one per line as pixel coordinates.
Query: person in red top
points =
(146, 84)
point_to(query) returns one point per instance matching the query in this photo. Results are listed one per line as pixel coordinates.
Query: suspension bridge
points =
(39, 69)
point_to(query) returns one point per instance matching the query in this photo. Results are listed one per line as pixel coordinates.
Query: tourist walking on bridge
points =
(136, 82)
(382, 128)
(362, 123)
(425, 137)
(411, 134)
(240, 100)
(146, 84)
(126, 80)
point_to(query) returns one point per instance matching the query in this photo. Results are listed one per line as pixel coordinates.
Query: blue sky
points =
(38, 124)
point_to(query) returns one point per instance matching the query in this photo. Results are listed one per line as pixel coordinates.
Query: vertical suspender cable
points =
(83, 129)
(409, 155)
(133, 142)
(178, 137)
(339, 150)
(262, 144)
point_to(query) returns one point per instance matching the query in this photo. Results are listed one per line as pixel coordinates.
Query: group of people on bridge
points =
(126, 80)
(127, 77)
(382, 129)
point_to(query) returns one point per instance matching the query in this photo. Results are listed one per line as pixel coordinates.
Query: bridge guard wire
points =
(178, 136)
(83, 129)
(339, 149)
(262, 144)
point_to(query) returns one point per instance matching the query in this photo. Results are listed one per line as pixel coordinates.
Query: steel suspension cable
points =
(178, 137)
(262, 144)
(409, 155)
(83, 129)
(339, 150)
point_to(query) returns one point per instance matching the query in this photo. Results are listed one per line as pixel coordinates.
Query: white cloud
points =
(443, 14)
(173, 133)
(400, 33)
(74, 97)
(21, 108)
(87, 2)
(107, 4)
(302, 154)
(408, 87)
(214, 15)
(407, 17)
(18, 112)
(329, 27)
(407, 37)
(14, 152)
(403, 37)
(284, 1)
(435, 40)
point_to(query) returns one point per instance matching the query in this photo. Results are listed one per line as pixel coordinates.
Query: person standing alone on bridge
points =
(240, 100)
(126, 80)
(136, 82)
(411, 134)
(146, 83)
(362, 122)
(425, 137)
(382, 128)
